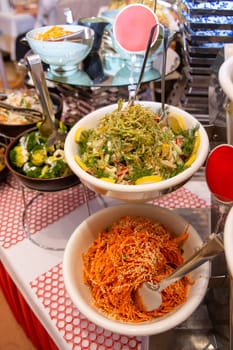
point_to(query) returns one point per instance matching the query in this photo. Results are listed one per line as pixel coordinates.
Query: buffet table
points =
(31, 276)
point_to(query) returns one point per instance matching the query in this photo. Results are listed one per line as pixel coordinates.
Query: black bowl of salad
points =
(20, 110)
(38, 166)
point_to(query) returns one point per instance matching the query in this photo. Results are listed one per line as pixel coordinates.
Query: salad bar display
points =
(76, 178)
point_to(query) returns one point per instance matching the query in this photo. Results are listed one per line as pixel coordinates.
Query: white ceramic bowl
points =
(228, 240)
(134, 193)
(83, 237)
(225, 76)
(63, 56)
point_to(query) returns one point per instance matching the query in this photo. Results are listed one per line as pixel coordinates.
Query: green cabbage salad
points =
(131, 143)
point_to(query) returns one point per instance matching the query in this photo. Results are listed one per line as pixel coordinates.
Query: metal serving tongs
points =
(133, 89)
(163, 75)
(27, 112)
(150, 293)
(48, 126)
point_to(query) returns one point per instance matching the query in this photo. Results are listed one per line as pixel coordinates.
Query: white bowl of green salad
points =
(129, 154)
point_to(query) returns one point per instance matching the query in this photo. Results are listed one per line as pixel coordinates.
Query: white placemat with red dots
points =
(38, 272)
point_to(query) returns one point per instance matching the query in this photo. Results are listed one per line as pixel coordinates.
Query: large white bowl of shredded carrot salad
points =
(113, 251)
(129, 155)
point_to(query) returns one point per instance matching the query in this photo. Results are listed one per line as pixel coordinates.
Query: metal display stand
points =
(54, 240)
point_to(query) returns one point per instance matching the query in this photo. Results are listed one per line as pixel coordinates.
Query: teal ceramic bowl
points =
(63, 57)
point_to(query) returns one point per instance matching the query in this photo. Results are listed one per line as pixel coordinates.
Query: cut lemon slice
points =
(80, 162)
(190, 160)
(195, 149)
(197, 142)
(78, 133)
(176, 122)
(148, 179)
(108, 179)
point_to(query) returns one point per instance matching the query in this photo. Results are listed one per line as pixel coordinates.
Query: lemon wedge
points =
(108, 179)
(80, 162)
(197, 142)
(195, 149)
(176, 122)
(78, 133)
(148, 179)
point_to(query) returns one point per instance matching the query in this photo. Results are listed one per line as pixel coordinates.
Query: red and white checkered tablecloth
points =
(78, 331)
(46, 209)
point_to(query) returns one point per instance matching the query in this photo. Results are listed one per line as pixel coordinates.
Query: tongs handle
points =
(21, 110)
(134, 89)
(38, 76)
(163, 74)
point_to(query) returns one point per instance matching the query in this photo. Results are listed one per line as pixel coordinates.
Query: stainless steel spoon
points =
(150, 293)
(75, 37)
(48, 127)
(79, 35)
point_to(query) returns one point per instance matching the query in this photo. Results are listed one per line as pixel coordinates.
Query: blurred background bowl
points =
(13, 130)
(97, 24)
(123, 65)
(38, 184)
(142, 192)
(167, 17)
(63, 57)
(84, 236)
(109, 15)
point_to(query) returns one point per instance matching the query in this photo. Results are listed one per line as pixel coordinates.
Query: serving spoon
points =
(75, 36)
(219, 177)
(150, 294)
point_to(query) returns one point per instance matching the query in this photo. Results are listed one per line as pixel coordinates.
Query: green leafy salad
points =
(131, 146)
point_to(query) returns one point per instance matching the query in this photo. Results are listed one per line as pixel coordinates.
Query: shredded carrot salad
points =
(131, 251)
